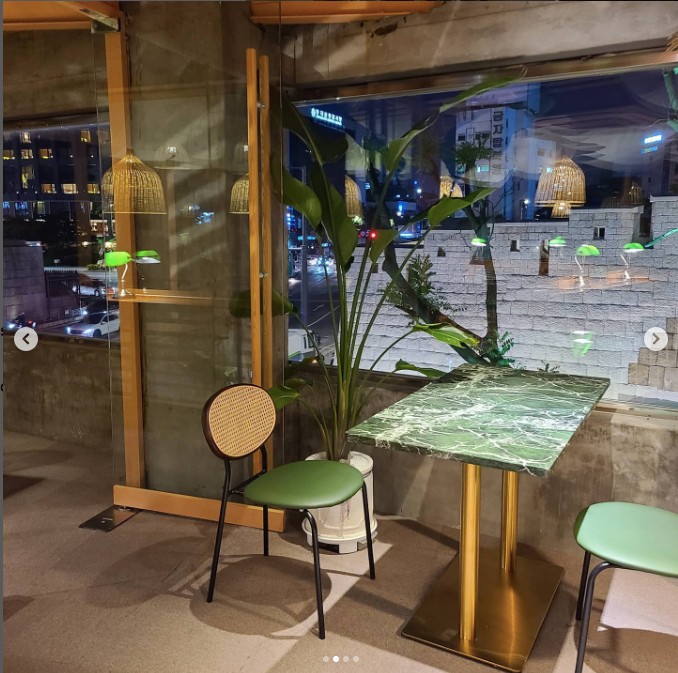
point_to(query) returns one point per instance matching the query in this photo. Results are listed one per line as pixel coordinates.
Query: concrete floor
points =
(79, 601)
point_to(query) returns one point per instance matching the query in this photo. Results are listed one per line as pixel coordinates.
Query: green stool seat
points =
(633, 536)
(308, 484)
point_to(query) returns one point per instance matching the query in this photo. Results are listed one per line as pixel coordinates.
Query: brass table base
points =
(510, 611)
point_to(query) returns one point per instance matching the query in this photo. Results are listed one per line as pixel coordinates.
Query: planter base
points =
(340, 545)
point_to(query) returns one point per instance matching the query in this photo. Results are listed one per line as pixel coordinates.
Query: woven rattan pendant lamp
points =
(240, 196)
(354, 202)
(171, 156)
(562, 188)
(449, 188)
(561, 209)
(130, 186)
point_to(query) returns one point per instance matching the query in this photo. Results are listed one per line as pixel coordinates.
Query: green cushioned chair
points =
(237, 421)
(623, 535)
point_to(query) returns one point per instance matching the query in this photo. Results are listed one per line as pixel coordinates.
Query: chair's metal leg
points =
(265, 530)
(318, 585)
(220, 530)
(586, 616)
(368, 530)
(582, 584)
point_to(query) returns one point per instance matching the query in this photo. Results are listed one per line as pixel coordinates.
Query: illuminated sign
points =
(648, 140)
(650, 149)
(327, 117)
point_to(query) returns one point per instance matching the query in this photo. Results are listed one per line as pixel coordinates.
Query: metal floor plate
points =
(511, 610)
(110, 518)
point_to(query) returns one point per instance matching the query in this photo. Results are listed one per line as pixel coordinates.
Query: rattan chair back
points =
(238, 420)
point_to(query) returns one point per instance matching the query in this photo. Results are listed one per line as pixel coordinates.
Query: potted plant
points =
(349, 387)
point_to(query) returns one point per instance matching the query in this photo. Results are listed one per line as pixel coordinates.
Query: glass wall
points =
(54, 228)
(189, 242)
(566, 266)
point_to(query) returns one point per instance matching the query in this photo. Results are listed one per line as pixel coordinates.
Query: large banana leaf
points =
(339, 227)
(449, 205)
(396, 148)
(447, 334)
(325, 149)
(429, 372)
(282, 395)
(295, 194)
(379, 243)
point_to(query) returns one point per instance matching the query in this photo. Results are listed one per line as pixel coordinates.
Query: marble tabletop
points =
(511, 419)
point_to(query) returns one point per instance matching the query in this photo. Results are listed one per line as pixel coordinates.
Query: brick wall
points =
(613, 302)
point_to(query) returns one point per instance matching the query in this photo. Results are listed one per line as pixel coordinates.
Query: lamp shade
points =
(130, 186)
(354, 201)
(557, 242)
(561, 209)
(240, 151)
(635, 194)
(449, 188)
(147, 257)
(587, 251)
(240, 196)
(565, 183)
(171, 156)
(118, 258)
(479, 242)
(633, 247)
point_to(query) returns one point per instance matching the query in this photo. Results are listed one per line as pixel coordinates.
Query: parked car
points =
(90, 286)
(299, 345)
(21, 321)
(95, 325)
(99, 306)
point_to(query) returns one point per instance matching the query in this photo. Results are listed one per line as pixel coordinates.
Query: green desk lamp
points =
(584, 251)
(119, 258)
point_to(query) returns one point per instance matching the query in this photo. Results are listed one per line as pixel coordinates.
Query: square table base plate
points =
(511, 609)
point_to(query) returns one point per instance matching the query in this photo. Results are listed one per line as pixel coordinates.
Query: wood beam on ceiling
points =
(58, 15)
(291, 13)
(17, 26)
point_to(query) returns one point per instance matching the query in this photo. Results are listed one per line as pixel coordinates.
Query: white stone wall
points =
(542, 312)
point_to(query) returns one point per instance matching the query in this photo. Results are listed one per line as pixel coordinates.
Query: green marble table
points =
(489, 604)
(511, 419)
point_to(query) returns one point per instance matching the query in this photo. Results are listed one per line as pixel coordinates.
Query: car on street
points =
(21, 321)
(99, 306)
(95, 325)
(299, 345)
(319, 260)
(90, 286)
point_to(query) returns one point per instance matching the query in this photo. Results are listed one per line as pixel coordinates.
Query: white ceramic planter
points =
(343, 526)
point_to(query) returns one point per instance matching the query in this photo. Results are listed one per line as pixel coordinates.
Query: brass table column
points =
(509, 521)
(469, 551)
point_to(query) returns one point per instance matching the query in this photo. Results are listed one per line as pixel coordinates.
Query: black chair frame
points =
(585, 602)
(238, 490)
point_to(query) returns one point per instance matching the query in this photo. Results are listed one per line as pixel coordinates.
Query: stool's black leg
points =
(318, 585)
(265, 530)
(582, 584)
(586, 616)
(220, 530)
(368, 531)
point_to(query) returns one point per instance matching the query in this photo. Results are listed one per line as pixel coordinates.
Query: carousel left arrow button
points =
(26, 339)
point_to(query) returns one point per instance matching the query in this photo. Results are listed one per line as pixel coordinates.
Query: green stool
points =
(237, 421)
(627, 536)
